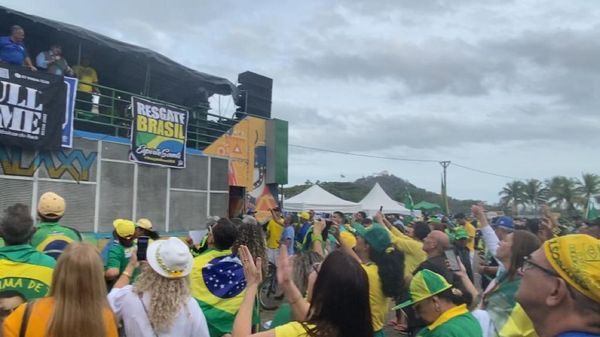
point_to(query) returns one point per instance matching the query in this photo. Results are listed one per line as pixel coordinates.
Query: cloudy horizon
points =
(507, 87)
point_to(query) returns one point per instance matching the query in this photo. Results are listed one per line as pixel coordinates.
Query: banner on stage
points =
(32, 108)
(158, 133)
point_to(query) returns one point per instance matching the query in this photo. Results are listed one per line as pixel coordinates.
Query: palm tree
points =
(534, 193)
(588, 186)
(512, 194)
(564, 193)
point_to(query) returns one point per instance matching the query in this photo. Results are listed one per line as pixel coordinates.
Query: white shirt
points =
(189, 322)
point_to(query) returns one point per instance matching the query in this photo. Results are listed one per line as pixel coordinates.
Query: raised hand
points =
(252, 271)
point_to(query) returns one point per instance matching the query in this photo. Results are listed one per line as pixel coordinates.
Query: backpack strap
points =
(25, 319)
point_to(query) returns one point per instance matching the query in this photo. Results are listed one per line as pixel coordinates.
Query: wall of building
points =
(100, 184)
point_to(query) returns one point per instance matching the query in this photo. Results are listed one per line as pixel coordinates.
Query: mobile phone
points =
(380, 208)
(452, 260)
(142, 247)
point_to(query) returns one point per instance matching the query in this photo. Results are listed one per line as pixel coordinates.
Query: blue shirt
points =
(577, 334)
(288, 234)
(12, 52)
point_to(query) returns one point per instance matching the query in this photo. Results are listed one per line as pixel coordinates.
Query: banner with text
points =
(158, 133)
(32, 108)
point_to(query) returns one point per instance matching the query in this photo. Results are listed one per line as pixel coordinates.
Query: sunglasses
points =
(528, 264)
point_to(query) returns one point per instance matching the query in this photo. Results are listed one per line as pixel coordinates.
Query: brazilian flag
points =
(25, 272)
(218, 284)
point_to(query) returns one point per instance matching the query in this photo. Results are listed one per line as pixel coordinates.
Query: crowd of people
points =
(340, 274)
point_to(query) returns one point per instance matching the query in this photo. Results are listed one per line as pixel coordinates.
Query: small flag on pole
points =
(592, 211)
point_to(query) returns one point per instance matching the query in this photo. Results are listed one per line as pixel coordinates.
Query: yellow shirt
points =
(85, 74)
(380, 304)
(292, 329)
(412, 249)
(275, 229)
(471, 231)
(40, 316)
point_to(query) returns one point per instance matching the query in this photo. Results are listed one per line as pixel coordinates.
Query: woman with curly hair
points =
(251, 236)
(159, 303)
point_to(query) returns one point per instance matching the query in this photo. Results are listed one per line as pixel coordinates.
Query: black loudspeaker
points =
(256, 92)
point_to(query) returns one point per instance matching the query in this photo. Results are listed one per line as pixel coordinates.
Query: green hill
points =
(395, 187)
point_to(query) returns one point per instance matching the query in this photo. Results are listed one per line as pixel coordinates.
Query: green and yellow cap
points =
(424, 285)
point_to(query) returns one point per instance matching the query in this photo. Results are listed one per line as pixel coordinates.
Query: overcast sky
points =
(510, 87)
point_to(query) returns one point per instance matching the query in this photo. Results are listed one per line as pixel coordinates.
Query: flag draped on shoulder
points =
(218, 284)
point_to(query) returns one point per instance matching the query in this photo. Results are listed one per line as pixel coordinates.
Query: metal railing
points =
(108, 111)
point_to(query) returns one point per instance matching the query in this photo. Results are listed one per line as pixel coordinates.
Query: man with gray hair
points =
(25, 273)
(12, 48)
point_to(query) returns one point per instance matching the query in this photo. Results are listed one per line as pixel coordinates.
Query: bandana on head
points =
(576, 258)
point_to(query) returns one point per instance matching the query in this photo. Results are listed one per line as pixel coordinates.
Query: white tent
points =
(377, 198)
(319, 200)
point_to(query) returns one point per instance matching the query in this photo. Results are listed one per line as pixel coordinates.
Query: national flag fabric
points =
(408, 201)
(218, 284)
(592, 211)
(25, 272)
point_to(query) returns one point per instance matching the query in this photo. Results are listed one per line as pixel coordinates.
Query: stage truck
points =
(137, 140)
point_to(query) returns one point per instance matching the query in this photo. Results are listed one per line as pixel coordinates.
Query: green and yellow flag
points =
(218, 284)
(25, 272)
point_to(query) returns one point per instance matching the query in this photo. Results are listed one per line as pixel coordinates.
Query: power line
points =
(486, 172)
(404, 159)
(364, 155)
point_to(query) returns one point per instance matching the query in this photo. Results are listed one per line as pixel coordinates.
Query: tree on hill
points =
(394, 186)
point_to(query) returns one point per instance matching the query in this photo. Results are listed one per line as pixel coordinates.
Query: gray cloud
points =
(435, 66)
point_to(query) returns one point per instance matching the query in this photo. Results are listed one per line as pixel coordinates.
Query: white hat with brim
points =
(170, 258)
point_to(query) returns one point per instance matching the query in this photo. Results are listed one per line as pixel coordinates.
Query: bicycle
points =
(270, 295)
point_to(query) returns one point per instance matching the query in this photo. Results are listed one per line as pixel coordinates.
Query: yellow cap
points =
(348, 239)
(124, 228)
(144, 223)
(576, 258)
(51, 205)
(304, 215)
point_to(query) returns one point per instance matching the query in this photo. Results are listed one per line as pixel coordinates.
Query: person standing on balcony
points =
(53, 62)
(12, 48)
(87, 78)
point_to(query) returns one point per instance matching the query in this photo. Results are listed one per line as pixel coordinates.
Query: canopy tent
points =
(427, 206)
(377, 198)
(119, 65)
(319, 200)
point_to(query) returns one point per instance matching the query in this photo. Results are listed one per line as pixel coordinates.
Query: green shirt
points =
(118, 257)
(456, 322)
(51, 238)
(25, 271)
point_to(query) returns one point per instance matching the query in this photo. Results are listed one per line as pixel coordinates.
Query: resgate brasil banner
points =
(158, 133)
(32, 108)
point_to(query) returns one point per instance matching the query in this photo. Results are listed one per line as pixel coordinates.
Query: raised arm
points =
(285, 271)
(242, 326)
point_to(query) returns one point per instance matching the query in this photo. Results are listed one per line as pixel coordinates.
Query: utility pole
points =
(445, 165)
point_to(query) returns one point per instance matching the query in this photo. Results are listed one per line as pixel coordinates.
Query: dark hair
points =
(533, 225)
(456, 295)
(16, 227)
(340, 214)
(340, 301)
(252, 236)
(524, 243)
(149, 233)
(390, 268)
(362, 214)
(421, 230)
(224, 234)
